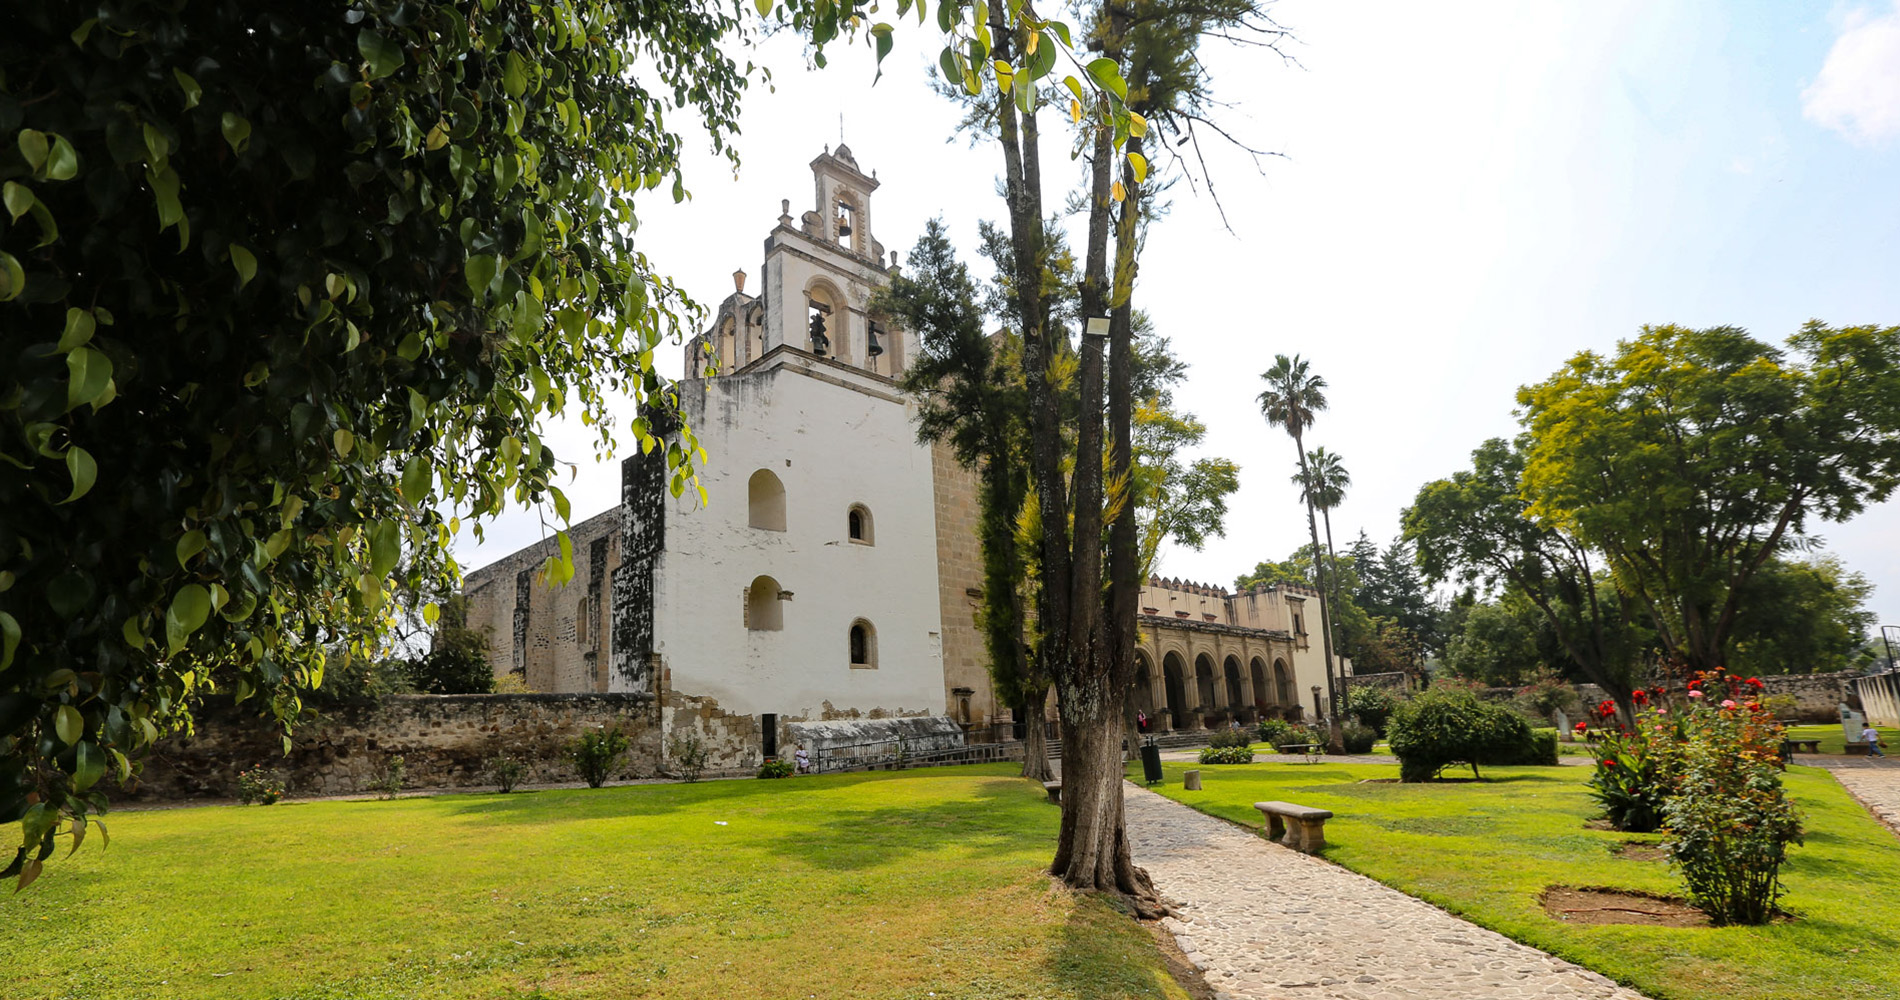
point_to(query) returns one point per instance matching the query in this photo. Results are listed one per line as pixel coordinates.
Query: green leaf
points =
(187, 614)
(1075, 87)
(383, 56)
(84, 470)
(431, 613)
(237, 131)
(133, 633)
(89, 765)
(385, 547)
(764, 7)
(1140, 165)
(9, 639)
(344, 441)
(1108, 76)
(62, 162)
(189, 86)
(480, 271)
(246, 264)
(562, 508)
(947, 61)
(164, 185)
(417, 477)
(12, 276)
(190, 544)
(87, 374)
(19, 199)
(69, 593)
(34, 147)
(69, 724)
(79, 328)
(514, 75)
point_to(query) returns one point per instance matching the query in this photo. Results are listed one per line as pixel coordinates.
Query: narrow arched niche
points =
(764, 607)
(765, 501)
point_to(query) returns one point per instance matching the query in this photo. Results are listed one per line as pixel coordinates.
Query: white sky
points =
(1471, 193)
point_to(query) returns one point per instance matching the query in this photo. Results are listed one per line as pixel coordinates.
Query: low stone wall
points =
(443, 740)
(1393, 681)
(1817, 697)
(1879, 698)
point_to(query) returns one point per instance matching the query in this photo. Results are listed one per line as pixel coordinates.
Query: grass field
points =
(1485, 851)
(901, 885)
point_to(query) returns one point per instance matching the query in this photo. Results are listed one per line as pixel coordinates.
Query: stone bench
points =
(1804, 746)
(1306, 831)
(1311, 750)
(1054, 788)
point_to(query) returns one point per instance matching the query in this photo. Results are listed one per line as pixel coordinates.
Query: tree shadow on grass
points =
(1102, 953)
(1002, 817)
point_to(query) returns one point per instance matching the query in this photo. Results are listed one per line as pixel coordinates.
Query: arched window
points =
(764, 607)
(863, 645)
(858, 525)
(765, 499)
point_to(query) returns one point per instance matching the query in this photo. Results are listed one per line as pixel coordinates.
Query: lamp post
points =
(1319, 714)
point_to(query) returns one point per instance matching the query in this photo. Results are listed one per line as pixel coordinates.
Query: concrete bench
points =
(1054, 788)
(1306, 830)
(1804, 746)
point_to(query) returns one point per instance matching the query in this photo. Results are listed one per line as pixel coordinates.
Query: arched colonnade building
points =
(1206, 657)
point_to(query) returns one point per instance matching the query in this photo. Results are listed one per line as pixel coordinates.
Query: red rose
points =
(1607, 763)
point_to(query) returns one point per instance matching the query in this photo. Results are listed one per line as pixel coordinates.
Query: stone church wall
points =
(556, 638)
(966, 672)
(443, 740)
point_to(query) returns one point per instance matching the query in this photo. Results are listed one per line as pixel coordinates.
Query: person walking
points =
(1871, 737)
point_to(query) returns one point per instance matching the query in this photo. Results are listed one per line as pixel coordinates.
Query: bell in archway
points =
(820, 344)
(873, 348)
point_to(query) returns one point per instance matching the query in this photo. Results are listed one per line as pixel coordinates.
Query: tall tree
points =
(276, 284)
(1323, 482)
(1291, 399)
(972, 401)
(1690, 458)
(1475, 528)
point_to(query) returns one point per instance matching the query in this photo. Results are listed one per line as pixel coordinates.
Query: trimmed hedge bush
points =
(1359, 739)
(1227, 755)
(1443, 728)
(1373, 705)
(1229, 738)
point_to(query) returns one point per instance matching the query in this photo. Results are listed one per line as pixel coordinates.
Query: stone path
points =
(1875, 782)
(1267, 923)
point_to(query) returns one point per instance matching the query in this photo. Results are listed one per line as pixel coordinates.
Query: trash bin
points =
(1151, 763)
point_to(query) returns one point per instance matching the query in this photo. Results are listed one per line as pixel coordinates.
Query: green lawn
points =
(1485, 852)
(1833, 741)
(876, 885)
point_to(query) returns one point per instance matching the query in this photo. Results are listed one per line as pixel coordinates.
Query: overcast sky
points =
(1469, 194)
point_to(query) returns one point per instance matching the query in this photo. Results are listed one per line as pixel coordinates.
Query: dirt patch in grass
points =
(1603, 905)
(1378, 781)
(1598, 824)
(1179, 965)
(1636, 850)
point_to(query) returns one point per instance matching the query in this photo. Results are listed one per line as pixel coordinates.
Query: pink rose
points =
(1728, 703)
(1695, 694)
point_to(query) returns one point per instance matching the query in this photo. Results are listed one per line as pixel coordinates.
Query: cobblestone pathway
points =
(1876, 783)
(1262, 921)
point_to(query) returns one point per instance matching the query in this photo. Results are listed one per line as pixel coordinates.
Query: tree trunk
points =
(1332, 564)
(1036, 739)
(1336, 738)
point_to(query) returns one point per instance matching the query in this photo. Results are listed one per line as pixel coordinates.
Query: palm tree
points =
(1323, 485)
(1292, 396)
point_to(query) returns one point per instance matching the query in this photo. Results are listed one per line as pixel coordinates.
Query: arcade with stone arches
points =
(1192, 675)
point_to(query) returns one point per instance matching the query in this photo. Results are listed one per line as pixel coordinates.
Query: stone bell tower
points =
(820, 271)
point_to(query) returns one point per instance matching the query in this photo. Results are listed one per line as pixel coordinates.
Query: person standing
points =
(1871, 737)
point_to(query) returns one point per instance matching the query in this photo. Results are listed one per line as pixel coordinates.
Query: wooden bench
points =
(1054, 788)
(1300, 827)
(1804, 746)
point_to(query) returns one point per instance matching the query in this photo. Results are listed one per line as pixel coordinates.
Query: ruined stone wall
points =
(1393, 681)
(1817, 696)
(966, 672)
(552, 636)
(443, 740)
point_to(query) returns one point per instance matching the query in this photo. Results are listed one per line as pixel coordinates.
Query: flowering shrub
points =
(1296, 735)
(775, 768)
(1274, 731)
(259, 785)
(1635, 767)
(1729, 822)
(1707, 771)
(1227, 755)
